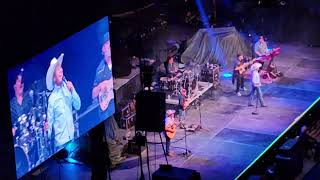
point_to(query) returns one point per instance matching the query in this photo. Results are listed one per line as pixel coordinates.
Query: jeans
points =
(167, 144)
(259, 95)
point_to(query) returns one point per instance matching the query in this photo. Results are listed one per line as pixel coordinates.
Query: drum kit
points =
(186, 79)
(31, 139)
(211, 73)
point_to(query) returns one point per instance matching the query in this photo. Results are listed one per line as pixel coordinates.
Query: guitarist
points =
(170, 129)
(261, 50)
(237, 75)
(102, 91)
(182, 98)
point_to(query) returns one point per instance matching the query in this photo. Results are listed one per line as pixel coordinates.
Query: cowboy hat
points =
(170, 112)
(255, 66)
(53, 64)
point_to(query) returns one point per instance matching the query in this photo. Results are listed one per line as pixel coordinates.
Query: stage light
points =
(227, 75)
(203, 16)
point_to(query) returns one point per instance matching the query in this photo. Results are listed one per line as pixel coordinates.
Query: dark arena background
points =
(202, 89)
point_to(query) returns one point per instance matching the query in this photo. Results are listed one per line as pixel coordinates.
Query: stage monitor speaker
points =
(175, 173)
(150, 111)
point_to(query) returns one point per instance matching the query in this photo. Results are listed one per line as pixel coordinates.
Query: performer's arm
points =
(50, 116)
(14, 114)
(76, 101)
(256, 50)
(259, 54)
(95, 91)
(96, 86)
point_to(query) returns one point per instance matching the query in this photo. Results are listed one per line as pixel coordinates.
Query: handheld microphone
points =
(21, 74)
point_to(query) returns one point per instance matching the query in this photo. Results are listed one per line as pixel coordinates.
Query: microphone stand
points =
(200, 119)
(188, 152)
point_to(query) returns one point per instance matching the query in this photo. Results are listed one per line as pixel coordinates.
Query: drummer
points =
(21, 103)
(171, 67)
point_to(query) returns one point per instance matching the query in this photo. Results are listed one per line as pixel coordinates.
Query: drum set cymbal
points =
(186, 79)
(189, 77)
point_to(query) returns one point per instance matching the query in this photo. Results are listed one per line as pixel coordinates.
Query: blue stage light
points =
(227, 75)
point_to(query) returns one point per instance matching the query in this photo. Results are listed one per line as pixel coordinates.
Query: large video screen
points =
(60, 94)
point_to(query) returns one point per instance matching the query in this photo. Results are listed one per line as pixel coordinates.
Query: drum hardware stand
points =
(176, 89)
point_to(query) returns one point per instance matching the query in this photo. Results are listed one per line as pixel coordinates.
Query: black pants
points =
(168, 142)
(99, 153)
(240, 82)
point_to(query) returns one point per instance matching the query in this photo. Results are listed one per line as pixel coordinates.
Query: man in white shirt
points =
(256, 84)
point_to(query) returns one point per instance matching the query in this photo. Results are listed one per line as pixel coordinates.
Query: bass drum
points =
(22, 160)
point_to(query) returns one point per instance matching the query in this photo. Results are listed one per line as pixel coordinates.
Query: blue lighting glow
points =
(227, 75)
(70, 148)
(203, 15)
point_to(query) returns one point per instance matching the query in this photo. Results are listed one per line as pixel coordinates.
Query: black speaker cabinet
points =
(150, 111)
(175, 173)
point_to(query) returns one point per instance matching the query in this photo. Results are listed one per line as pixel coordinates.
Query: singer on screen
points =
(62, 100)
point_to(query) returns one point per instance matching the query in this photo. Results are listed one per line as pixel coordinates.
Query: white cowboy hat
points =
(170, 112)
(50, 72)
(255, 66)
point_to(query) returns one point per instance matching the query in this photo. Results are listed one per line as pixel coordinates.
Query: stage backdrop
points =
(216, 45)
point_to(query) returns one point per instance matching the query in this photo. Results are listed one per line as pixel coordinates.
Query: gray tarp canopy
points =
(216, 45)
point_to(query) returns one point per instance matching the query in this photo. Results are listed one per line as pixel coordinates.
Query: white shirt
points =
(256, 78)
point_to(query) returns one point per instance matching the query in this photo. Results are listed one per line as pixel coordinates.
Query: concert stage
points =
(231, 137)
(203, 88)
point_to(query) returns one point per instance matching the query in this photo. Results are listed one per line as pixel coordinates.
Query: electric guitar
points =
(105, 94)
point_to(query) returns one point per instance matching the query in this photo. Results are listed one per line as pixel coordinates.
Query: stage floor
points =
(231, 136)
